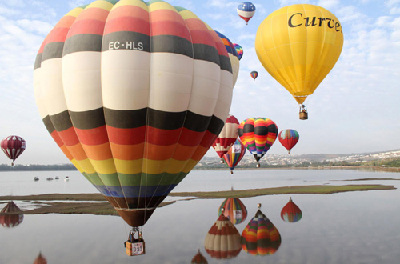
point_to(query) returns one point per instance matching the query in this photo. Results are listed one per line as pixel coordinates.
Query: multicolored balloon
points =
(258, 135)
(134, 93)
(291, 212)
(233, 55)
(234, 210)
(239, 50)
(260, 237)
(11, 215)
(299, 45)
(40, 259)
(288, 138)
(13, 146)
(226, 137)
(246, 11)
(234, 155)
(254, 75)
(223, 239)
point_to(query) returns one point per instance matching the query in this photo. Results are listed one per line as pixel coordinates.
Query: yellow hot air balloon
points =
(299, 45)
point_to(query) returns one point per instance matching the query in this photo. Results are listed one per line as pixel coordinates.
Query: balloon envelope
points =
(288, 138)
(239, 50)
(134, 94)
(13, 146)
(199, 259)
(291, 212)
(299, 45)
(254, 74)
(40, 259)
(11, 215)
(227, 136)
(260, 237)
(223, 239)
(234, 154)
(233, 55)
(258, 135)
(234, 210)
(246, 11)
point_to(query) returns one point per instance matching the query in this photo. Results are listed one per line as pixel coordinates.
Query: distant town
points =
(384, 159)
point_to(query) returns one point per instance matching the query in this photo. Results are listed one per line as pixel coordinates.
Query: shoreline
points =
(96, 204)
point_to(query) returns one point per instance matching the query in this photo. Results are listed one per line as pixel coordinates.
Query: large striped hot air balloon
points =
(227, 136)
(234, 210)
(13, 146)
(223, 239)
(258, 135)
(134, 93)
(260, 237)
(233, 55)
(234, 155)
(291, 212)
(11, 215)
(288, 138)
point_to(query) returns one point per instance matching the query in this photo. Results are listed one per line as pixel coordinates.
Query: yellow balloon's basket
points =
(303, 115)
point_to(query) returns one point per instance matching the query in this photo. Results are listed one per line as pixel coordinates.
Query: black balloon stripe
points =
(126, 119)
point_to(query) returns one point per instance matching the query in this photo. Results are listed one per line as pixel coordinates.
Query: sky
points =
(355, 109)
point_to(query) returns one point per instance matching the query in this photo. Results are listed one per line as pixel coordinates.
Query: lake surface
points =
(352, 227)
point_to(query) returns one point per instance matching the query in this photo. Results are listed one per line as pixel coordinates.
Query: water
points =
(352, 227)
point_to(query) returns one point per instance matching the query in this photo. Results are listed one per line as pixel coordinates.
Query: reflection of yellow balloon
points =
(298, 45)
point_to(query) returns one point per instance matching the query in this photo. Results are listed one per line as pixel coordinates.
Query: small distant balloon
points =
(288, 138)
(13, 146)
(227, 136)
(234, 154)
(254, 74)
(246, 11)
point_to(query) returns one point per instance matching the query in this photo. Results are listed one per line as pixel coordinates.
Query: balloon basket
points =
(258, 165)
(231, 172)
(303, 115)
(135, 246)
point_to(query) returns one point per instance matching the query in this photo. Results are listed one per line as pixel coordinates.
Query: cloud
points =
(328, 4)
(394, 6)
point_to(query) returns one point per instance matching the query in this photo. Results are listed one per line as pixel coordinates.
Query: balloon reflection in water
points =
(199, 259)
(260, 237)
(40, 259)
(234, 210)
(223, 239)
(134, 94)
(291, 212)
(11, 215)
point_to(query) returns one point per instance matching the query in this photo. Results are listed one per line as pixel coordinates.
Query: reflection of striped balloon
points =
(199, 259)
(234, 210)
(223, 239)
(227, 136)
(233, 55)
(11, 215)
(234, 154)
(134, 94)
(260, 237)
(258, 135)
(291, 212)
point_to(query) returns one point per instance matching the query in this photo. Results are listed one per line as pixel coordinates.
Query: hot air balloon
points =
(13, 146)
(134, 94)
(258, 135)
(246, 11)
(233, 55)
(234, 155)
(223, 239)
(254, 75)
(260, 237)
(234, 210)
(299, 45)
(11, 215)
(226, 137)
(40, 259)
(288, 138)
(199, 259)
(239, 50)
(291, 212)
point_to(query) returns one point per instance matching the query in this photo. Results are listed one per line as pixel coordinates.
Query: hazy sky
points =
(354, 110)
